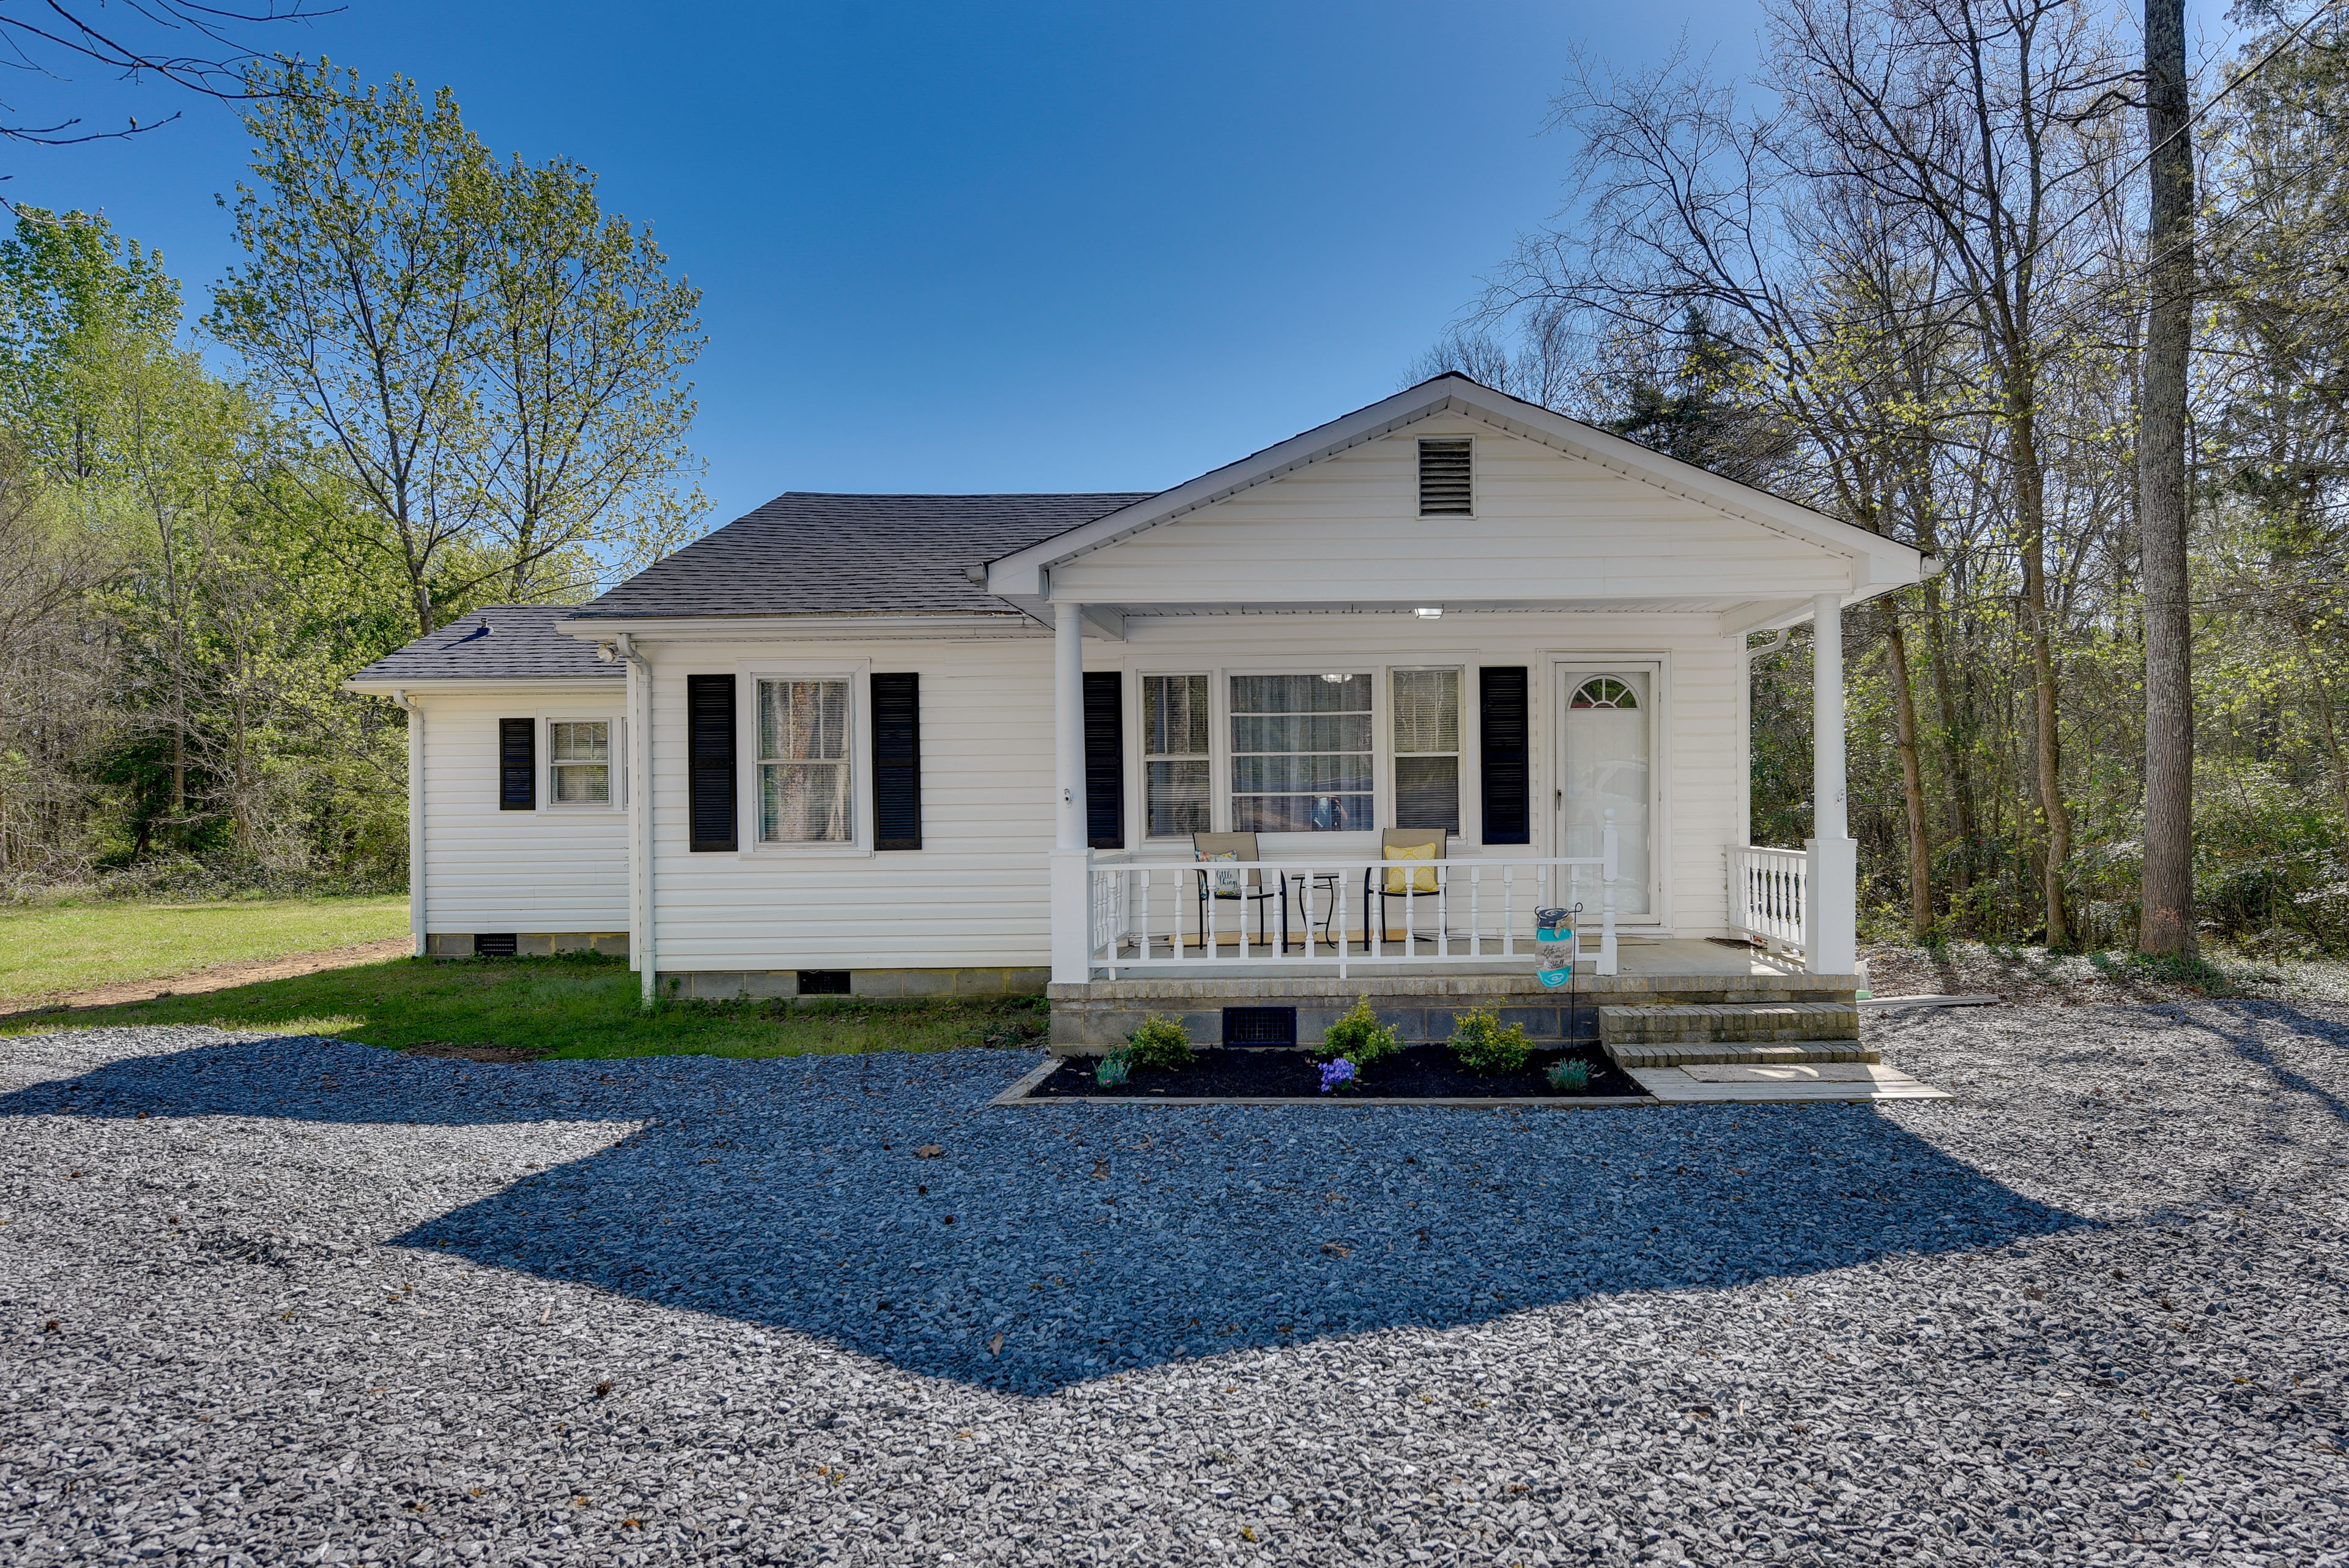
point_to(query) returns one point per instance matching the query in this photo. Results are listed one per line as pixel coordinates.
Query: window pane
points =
(583, 784)
(1300, 753)
(1177, 797)
(1426, 712)
(1300, 813)
(1175, 716)
(572, 741)
(1300, 733)
(804, 803)
(1427, 793)
(802, 721)
(1300, 694)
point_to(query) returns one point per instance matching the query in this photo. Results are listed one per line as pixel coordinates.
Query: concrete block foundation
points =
(876, 984)
(1094, 1017)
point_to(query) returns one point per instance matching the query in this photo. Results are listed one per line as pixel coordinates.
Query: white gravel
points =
(291, 1299)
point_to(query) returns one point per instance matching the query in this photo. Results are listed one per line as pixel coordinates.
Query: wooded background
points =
(1902, 275)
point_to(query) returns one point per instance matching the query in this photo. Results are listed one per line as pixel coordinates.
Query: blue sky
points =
(980, 247)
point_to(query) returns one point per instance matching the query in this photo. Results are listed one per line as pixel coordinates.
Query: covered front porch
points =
(1153, 912)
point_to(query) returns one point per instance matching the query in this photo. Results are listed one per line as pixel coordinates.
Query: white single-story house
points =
(908, 744)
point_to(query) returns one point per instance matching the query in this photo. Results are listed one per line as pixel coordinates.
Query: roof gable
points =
(1872, 560)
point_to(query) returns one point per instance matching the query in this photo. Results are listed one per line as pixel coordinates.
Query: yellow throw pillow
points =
(1412, 881)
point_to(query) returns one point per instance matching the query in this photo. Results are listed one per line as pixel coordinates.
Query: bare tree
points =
(1976, 119)
(196, 47)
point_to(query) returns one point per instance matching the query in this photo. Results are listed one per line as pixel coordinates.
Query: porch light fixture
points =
(1429, 612)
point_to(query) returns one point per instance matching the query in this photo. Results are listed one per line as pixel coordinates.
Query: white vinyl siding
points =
(977, 895)
(560, 868)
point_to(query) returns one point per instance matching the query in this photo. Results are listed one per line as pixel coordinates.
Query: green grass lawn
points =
(72, 946)
(572, 1006)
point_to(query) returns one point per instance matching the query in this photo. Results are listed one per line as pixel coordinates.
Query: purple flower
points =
(1335, 1075)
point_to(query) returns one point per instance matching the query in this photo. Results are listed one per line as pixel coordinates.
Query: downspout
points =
(415, 905)
(642, 946)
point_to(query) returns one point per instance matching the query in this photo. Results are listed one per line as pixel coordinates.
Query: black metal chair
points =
(1401, 878)
(1249, 886)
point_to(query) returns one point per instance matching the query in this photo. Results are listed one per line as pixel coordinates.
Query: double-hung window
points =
(1175, 764)
(1301, 753)
(805, 792)
(1426, 706)
(579, 761)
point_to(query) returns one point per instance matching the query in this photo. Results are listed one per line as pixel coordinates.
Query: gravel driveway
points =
(281, 1300)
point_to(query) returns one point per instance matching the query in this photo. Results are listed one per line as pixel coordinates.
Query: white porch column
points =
(1831, 937)
(636, 735)
(1072, 861)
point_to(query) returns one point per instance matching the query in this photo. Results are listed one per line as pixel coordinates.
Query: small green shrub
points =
(1359, 1038)
(1111, 1072)
(1569, 1078)
(1161, 1042)
(1484, 1044)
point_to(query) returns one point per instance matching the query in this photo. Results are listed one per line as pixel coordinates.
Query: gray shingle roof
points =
(500, 642)
(805, 554)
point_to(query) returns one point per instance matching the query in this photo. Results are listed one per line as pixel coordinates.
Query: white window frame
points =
(1139, 793)
(1219, 743)
(546, 719)
(858, 674)
(1466, 716)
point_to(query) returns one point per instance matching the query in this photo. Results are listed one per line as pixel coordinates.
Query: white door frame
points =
(1567, 671)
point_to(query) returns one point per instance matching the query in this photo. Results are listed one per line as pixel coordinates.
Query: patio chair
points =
(1404, 880)
(1239, 887)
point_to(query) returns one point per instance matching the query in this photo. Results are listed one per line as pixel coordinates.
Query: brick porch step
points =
(1756, 1023)
(1694, 1054)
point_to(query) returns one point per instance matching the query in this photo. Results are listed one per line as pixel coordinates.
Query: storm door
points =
(1606, 744)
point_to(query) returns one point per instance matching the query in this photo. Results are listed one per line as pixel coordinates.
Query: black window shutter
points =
(709, 760)
(517, 764)
(897, 761)
(1507, 755)
(1105, 759)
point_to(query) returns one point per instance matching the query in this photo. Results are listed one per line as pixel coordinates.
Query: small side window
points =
(579, 761)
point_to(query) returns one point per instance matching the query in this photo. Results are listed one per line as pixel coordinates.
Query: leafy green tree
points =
(490, 362)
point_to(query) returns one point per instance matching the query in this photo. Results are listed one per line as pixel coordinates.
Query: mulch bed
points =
(1418, 1073)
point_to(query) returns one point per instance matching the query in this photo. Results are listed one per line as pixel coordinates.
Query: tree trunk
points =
(2054, 846)
(2167, 925)
(1912, 782)
(1954, 744)
(2324, 695)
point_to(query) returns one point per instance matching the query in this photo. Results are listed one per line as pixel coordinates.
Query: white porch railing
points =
(1769, 896)
(1151, 917)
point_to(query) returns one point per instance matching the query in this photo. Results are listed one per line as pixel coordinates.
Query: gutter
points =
(416, 890)
(642, 944)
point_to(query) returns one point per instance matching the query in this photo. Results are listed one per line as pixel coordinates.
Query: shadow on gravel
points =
(790, 1193)
(2247, 1045)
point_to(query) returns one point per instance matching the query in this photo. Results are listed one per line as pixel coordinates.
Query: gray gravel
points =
(281, 1300)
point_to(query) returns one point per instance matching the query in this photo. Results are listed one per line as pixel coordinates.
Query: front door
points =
(1606, 741)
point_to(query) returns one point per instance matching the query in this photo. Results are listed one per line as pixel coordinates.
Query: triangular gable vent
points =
(1444, 481)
